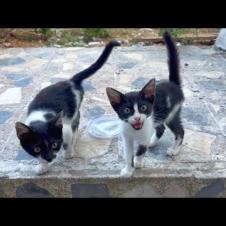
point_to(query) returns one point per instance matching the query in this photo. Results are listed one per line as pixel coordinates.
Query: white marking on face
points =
(132, 119)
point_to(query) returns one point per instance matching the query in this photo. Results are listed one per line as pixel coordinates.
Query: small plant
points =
(90, 33)
(175, 32)
(45, 31)
(69, 38)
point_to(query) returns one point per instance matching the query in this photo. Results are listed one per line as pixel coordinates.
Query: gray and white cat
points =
(151, 109)
(53, 116)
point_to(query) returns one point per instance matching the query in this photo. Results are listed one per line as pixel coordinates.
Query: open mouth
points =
(137, 125)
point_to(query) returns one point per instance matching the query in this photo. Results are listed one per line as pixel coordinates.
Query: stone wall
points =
(118, 187)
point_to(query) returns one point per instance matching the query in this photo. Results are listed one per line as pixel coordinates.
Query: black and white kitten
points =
(53, 116)
(146, 113)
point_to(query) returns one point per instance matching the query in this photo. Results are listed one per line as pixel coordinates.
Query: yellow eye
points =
(37, 149)
(127, 110)
(143, 108)
(54, 145)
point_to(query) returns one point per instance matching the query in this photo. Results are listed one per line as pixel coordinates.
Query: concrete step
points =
(197, 171)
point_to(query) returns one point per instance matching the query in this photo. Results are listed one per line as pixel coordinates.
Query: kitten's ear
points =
(114, 96)
(148, 92)
(22, 130)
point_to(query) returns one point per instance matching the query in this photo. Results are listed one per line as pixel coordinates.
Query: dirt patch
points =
(26, 38)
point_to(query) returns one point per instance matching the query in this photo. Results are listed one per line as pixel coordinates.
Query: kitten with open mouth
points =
(146, 113)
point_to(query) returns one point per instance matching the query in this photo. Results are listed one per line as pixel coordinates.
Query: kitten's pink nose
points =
(137, 118)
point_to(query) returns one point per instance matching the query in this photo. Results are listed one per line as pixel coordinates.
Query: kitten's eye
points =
(37, 149)
(54, 145)
(127, 110)
(143, 108)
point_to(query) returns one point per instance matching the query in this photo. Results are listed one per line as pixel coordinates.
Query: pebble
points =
(94, 44)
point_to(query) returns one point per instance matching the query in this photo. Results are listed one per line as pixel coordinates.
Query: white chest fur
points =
(142, 136)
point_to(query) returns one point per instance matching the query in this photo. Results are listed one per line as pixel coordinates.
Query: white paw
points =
(137, 162)
(127, 172)
(67, 155)
(172, 151)
(41, 169)
(151, 145)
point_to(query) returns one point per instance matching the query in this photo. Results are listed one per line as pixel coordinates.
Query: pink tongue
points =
(137, 126)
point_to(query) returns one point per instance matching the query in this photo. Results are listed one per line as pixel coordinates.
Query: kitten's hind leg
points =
(159, 130)
(74, 126)
(68, 139)
(177, 129)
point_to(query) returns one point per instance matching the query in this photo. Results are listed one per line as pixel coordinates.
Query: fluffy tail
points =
(79, 77)
(173, 59)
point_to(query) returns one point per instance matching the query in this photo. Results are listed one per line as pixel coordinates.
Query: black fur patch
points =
(141, 150)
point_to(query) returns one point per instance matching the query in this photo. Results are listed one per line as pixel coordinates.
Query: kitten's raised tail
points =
(173, 59)
(79, 77)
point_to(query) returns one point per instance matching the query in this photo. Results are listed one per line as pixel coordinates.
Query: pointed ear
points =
(22, 130)
(114, 96)
(148, 92)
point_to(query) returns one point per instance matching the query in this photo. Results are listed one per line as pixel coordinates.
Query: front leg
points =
(42, 167)
(128, 155)
(138, 159)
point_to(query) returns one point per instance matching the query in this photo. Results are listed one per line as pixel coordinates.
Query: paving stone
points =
(55, 80)
(176, 191)
(199, 141)
(11, 61)
(87, 85)
(88, 147)
(17, 76)
(141, 191)
(68, 66)
(23, 155)
(94, 112)
(11, 96)
(128, 65)
(89, 191)
(212, 190)
(4, 116)
(140, 82)
(41, 53)
(23, 82)
(31, 190)
(64, 76)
